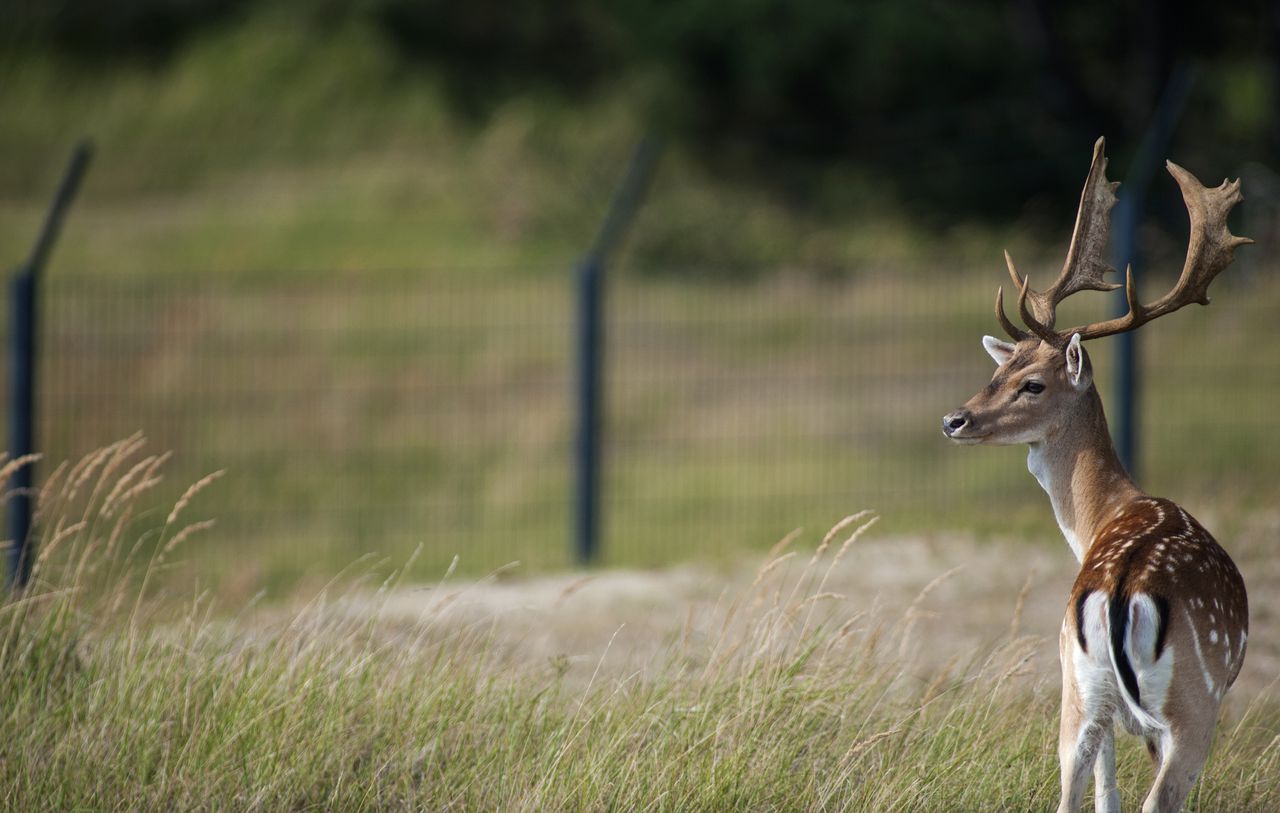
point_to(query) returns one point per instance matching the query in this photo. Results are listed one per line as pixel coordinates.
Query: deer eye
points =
(1033, 387)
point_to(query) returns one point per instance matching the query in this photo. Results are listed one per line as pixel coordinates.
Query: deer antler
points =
(1015, 333)
(1210, 249)
(1084, 267)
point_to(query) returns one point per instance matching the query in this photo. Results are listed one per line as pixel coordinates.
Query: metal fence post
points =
(1129, 214)
(23, 324)
(1126, 352)
(589, 350)
(587, 474)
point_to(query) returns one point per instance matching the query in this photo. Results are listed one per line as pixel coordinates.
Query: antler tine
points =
(1044, 331)
(1210, 249)
(1084, 267)
(1014, 332)
(1013, 272)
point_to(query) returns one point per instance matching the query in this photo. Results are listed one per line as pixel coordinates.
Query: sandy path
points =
(622, 619)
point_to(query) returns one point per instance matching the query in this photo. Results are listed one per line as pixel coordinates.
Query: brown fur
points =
(1155, 548)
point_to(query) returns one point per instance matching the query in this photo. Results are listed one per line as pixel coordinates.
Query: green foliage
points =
(111, 29)
(490, 50)
(947, 108)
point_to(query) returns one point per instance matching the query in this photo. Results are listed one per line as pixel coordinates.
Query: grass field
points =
(777, 692)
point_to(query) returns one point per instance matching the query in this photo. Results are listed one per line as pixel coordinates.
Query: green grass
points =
(119, 695)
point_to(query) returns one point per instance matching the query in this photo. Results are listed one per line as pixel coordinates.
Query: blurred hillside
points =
(492, 132)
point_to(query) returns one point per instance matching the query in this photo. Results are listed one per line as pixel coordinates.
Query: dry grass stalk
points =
(782, 545)
(58, 538)
(125, 481)
(12, 466)
(572, 588)
(939, 682)
(192, 490)
(49, 488)
(854, 536)
(149, 480)
(914, 612)
(121, 451)
(1018, 667)
(770, 566)
(1015, 626)
(687, 631)
(186, 532)
(86, 468)
(816, 597)
(831, 534)
(826, 541)
(114, 536)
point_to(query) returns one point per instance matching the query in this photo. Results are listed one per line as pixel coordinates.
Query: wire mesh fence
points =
(378, 413)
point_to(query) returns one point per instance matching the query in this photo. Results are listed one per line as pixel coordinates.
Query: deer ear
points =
(998, 350)
(1079, 370)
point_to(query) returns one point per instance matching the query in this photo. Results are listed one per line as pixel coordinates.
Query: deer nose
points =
(955, 421)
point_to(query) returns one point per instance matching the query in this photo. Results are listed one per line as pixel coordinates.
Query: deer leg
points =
(1182, 760)
(1106, 795)
(1088, 706)
(1078, 746)
(1080, 734)
(1153, 750)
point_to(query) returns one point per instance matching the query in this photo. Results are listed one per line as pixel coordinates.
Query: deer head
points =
(1034, 386)
(1045, 373)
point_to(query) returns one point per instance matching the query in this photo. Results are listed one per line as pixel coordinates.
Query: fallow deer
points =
(1157, 620)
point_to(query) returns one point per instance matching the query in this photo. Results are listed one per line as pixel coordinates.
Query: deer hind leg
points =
(1183, 757)
(1153, 749)
(1184, 746)
(1081, 741)
(1078, 745)
(1086, 737)
(1106, 795)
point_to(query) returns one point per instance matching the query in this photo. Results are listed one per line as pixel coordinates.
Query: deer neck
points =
(1078, 468)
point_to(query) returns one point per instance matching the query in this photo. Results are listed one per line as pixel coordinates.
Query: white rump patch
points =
(1153, 674)
(1097, 675)
(1094, 675)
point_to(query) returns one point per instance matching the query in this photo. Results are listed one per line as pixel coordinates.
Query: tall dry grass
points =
(115, 696)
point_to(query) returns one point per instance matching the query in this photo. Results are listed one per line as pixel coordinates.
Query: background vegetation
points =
(315, 226)
(946, 110)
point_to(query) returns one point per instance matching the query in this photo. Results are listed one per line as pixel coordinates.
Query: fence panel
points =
(374, 414)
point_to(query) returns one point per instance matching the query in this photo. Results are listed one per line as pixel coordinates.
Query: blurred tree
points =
(489, 50)
(109, 29)
(977, 107)
(955, 107)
